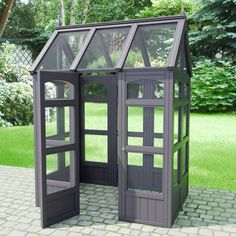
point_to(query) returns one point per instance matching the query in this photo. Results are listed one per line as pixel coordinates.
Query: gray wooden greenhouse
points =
(111, 105)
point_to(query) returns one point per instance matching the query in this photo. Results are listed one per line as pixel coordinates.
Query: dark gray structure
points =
(111, 105)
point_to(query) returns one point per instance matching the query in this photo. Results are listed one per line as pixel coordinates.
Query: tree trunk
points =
(5, 15)
(73, 12)
(62, 12)
(85, 11)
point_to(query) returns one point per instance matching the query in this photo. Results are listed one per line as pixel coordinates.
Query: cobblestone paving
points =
(206, 211)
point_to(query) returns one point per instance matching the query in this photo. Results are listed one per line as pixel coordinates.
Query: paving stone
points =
(112, 228)
(17, 233)
(220, 233)
(205, 212)
(124, 231)
(74, 234)
(60, 233)
(206, 232)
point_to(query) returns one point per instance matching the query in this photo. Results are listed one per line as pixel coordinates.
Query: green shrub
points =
(15, 73)
(213, 86)
(16, 103)
(12, 72)
(6, 50)
(4, 123)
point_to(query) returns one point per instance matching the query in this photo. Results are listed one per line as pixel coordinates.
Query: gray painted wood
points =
(145, 194)
(58, 199)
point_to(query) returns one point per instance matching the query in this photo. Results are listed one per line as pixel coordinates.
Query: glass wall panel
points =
(135, 119)
(177, 90)
(186, 90)
(151, 46)
(135, 159)
(177, 112)
(135, 141)
(105, 48)
(63, 50)
(135, 89)
(158, 161)
(58, 89)
(96, 148)
(58, 171)
(95, 90)
(184, 120)
(145, 171)
(159, 120)
(57, 123)
(175, 169)
(183, 160)
(158, 142)
(95, 116)
(186, 156)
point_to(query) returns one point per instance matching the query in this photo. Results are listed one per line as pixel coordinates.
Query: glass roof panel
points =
(151, 46)
(104, 49)
(63, 50)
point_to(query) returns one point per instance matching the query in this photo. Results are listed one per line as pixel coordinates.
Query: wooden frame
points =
(146, 194)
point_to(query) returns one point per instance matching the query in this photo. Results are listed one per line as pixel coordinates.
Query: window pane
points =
(63, 50)
(135, 159)
(135, 141)
(177, 90)
(57, 123)
(105, 48)
(95, 115)
(96, 148)
(186, 90)
(158, 161)
(151, 46)
(58, 174)
(158, 142)
(175, 174)
(58, 89)
(184, 121)
(176, 124)
(155, 89)
(183, 160)
(95, 90)
(159, 120)
(135, 119)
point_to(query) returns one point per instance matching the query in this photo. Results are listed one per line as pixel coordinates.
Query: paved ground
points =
(206, 211)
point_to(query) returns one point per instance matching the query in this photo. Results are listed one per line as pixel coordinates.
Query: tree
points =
(5, 11)
(107, 10)
(213, 30)
(168, 8)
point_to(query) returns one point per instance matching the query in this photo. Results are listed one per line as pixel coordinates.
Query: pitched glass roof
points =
(151, 46)
(113, 45)
(104, 49)
(63, 50)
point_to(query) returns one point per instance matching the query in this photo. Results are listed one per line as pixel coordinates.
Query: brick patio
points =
(206, 211)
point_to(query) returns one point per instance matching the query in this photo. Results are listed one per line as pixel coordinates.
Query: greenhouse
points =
(111, 107)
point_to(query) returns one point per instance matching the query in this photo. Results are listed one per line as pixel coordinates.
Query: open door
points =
(58, 145)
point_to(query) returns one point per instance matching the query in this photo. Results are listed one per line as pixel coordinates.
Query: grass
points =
(212, 146)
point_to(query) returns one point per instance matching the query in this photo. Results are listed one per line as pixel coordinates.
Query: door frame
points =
(63, 203)
(90, 171)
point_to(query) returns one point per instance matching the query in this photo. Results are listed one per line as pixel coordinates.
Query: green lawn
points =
(212, 150)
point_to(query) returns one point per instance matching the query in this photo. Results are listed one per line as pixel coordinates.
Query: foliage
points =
(213, 30)
(168, 8)
(16, 93)
(3, 122)
(12, 72)
(107, 10)
(213, 86)
(20, 19)
(16, 103)
(6, 50)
